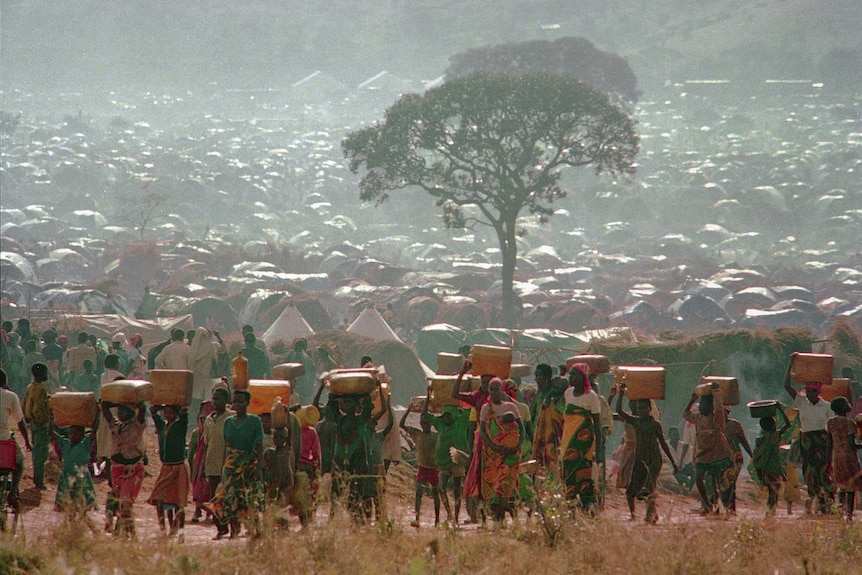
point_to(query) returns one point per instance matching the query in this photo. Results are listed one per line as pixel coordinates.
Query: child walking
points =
(427, 476)
(766, 465)
(171, 491)
(647, 458)
(843, 466)
(196, 457)
(308, 466)
(76, 493)
(127, 464)
(278, 467)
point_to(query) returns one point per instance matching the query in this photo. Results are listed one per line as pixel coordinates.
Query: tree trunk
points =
(509, 249)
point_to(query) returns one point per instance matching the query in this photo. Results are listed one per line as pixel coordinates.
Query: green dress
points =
(75, 485)
(243, 491)
(579, 452)
(352, 457)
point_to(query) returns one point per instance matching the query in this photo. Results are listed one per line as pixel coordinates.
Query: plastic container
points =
(172, 386)
(74, 408)
(449, 363)
(644, 382)
(378, 373)
(763, 408)
(728, 388)
(127, 391)
(351, 383)
(290, 371)
(381, 391)
(280, 414)
(263, 393)
(491, 359)
(8, 454)
(812, 367)
(239, 372)
(441, 390)
(599, 364)
(416, 403)
(840, 387)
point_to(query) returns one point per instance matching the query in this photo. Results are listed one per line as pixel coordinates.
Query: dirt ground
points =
(38, 515)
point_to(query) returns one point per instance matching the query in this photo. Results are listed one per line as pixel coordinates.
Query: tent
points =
(437, 337)
(289, 326)
(371, 324)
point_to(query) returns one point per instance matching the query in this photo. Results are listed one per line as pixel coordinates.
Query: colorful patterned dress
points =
(499, 479)
(579, 448)
(240, 491)
(845, 464)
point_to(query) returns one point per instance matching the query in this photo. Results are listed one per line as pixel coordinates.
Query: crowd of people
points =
(487, 448)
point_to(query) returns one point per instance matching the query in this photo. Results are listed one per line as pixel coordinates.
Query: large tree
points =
(495, 142)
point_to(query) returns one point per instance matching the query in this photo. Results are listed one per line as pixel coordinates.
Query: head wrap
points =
(584, 369)
(201, 349)
(492, 381)
(814, 386)
(510, 389)
(136, 337)
(62, 339)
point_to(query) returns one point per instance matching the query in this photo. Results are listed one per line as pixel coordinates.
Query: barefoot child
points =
(712, 453)
(427, 476)
(127, 463)
(278, 471)
(76, 493)
(309, 464)
(843, 467)
(647, 458)
(766, 464)
(171, 491)
(197, 452)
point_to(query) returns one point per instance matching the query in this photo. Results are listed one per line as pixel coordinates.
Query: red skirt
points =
(427, 476)
(172, 485)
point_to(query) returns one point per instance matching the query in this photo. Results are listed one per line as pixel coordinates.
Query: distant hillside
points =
(155, 44)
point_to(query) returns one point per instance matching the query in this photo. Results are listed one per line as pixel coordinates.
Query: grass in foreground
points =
(817, 546)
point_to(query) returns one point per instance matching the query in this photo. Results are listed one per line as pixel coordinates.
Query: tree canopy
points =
(571, 56)
(495, 142)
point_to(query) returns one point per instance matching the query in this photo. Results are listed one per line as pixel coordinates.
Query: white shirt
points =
(689, 437)
(174, 356)
(10, 413)
(812, 417)
(589, 400)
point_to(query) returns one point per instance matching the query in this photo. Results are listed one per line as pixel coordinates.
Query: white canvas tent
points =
(371, 324)
(289, 326)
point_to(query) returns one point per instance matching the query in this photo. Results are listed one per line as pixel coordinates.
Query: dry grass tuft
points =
(589, 546)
